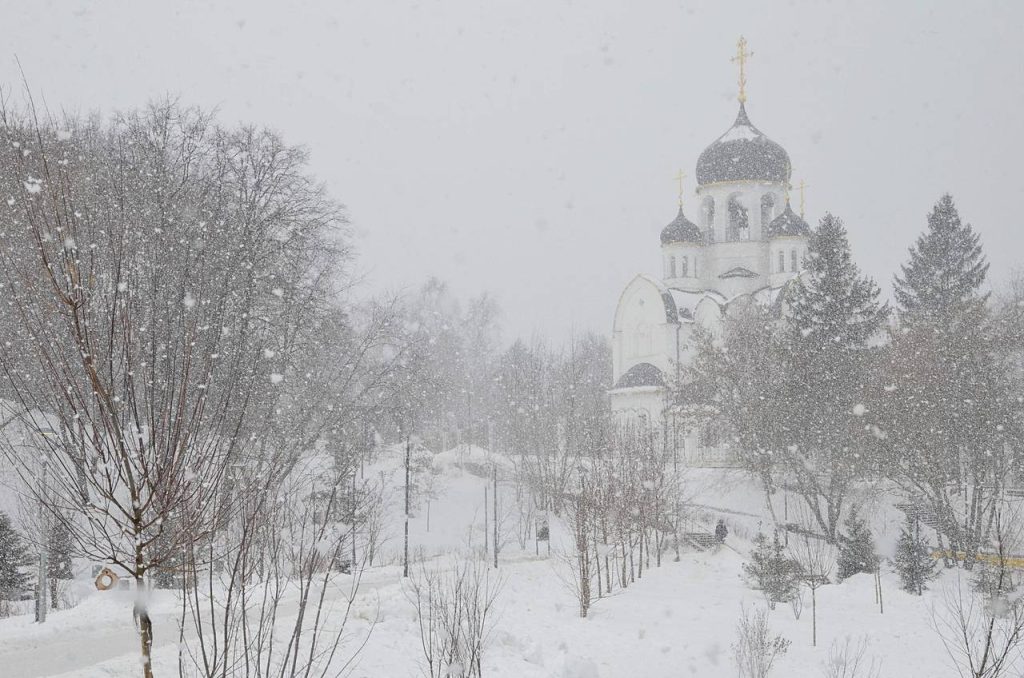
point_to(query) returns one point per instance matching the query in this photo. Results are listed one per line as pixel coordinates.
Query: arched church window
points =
(708, 209)
(793, 261)
(739, 227)
(685, 265)
(767, 209)
(671, 267)
(782, 261)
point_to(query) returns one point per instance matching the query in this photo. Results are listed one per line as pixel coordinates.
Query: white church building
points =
(745, 244)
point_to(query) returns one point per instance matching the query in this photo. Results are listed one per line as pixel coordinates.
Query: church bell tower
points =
(745, 243)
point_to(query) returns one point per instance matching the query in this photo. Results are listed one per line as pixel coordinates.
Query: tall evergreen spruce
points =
(941, 283)
(835, 312)
(913, 560)
(949, 410)
(13, 556)
(857, 552)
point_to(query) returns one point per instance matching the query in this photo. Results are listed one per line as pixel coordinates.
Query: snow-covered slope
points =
(678, 620)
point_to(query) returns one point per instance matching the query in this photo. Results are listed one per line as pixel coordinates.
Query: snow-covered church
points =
(745, 244)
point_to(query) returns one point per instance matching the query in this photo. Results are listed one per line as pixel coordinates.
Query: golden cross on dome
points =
(679, 177)
(803, 185)
(741, 58)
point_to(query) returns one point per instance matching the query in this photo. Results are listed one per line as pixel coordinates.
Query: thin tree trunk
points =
(145, 626)
(814, 617)
(624, 579)
(632, 568)
(881, 600)
(352, 568)
(495, 498)
(640, 556)
(917, 538)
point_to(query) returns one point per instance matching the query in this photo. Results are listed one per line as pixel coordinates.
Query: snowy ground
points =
(679, 620)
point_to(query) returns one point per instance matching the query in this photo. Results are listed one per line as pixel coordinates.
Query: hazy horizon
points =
(528, 149)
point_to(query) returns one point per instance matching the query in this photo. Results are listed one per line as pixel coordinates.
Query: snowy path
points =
(71, 640)
(678, 621)
(51, 653)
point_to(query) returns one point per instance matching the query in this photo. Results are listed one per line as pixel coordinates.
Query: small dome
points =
(743, 153)
(788, 223)
(641, 374)
(681, 230)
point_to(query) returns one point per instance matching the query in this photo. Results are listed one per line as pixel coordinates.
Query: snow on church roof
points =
(671, 312)
(768, 296)
(686, 301)
(641, 374)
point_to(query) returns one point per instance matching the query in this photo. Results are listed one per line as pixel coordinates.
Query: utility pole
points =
(485, 521)
(408, 455)
(42, 586)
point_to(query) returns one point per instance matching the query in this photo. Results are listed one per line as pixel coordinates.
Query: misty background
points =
(528, 148)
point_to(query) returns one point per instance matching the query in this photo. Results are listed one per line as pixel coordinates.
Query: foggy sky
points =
(527, 148)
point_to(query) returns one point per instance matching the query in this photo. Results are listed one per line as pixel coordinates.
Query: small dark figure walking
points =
(721, 531)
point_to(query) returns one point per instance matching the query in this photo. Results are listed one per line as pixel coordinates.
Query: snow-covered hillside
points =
(677, 620)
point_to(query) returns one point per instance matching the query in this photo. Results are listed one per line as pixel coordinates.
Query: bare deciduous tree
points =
(756, 648)
(171, 285)
(982, 628)
(850, 660)
(455, 612)
(281, 555)
(815, 558)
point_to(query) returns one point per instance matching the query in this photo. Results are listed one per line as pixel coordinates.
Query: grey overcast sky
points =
(527, 147)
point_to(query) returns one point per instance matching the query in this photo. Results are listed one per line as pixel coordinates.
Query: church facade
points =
(745, 244)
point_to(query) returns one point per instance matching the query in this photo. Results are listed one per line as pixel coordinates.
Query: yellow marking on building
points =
(1016, 562)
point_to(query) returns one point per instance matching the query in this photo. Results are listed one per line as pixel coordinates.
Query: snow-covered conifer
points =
(913, 559)
(772, 571)
(13, 557)
(834, 316)
(948, 402)
(856, 552)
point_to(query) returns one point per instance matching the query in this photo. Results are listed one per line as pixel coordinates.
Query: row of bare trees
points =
(624, 513)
